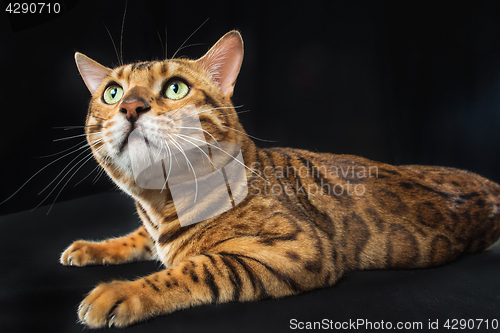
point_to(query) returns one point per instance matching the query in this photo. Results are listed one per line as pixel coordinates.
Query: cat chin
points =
(118, 160)
(122, 162)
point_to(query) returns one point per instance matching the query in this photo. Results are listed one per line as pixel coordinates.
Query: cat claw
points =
(111, 322)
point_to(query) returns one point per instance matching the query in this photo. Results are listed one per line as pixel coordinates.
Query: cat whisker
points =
(207, 110)
(93, 144)
(98, 176)
(87, 176)
(75, 127)
(89, 154)
(170, 161)
(75, 136)
(250, 136)
(189, 164)
(173, 114)
(195, 145)
(178, 145)
(229, 114)
(88, 158)
(121, 34)
(166, 43)
(252, 171)
(180, 47)
(65, 150)
(201, 129)
(176, 160)
(162, 46)
(208, 133)
(159, 151)
(217, 108)
(190, 45)
(112, 41)
(43, 168)
(102, 171)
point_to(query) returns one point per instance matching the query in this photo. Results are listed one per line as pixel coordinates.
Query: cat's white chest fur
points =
(164, 251)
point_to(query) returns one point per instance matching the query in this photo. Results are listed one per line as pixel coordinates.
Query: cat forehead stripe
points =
(128, 72)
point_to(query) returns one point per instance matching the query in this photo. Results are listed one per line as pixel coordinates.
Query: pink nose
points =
(133, 107)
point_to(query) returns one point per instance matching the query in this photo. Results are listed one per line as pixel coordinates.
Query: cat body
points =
(307, 218)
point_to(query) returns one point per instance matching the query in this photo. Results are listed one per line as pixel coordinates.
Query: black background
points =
(403, 82)
(37, 294)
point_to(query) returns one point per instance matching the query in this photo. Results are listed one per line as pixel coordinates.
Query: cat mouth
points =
(125, 143)
(122, 146)
(150, 144)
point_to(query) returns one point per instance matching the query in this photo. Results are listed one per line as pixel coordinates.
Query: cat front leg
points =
(204, 279)
(135, 246)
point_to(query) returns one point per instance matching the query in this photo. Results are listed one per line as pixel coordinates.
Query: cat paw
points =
(82, 253)
(118, 304)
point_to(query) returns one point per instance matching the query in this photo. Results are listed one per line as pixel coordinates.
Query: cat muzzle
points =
(133, 105)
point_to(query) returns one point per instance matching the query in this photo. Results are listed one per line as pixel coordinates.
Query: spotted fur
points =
(271, 244)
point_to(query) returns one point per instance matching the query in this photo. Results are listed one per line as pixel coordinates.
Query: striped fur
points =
(271, 244)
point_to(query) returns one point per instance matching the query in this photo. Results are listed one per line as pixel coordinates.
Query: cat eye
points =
(113, 94)
(176, 90)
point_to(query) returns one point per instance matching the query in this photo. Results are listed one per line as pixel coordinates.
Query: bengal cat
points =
(307, 217)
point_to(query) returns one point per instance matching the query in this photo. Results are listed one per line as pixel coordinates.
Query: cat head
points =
(162, 100)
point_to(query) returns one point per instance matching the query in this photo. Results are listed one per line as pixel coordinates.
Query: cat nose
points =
(133, 107)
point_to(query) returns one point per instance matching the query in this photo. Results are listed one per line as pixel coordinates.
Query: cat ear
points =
(223, 61)
(91, 71)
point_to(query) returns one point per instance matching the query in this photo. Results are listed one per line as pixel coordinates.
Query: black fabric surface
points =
(37, 294)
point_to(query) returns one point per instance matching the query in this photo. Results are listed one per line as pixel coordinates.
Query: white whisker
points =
(166, 42)
(87, 176)
(203, 111)
(65, 150)
(180, 47)
(49, 164)
(61, 172)
(230, 114)
(99, 174)
(93, 144)
(74, 166)
(208, 157)
(121, 34)
(229, 156)
(75, 136)
(179, 109)
(190, 45)
(74, 127)
(74, 173)
(170, 161)
(251, 136)
(201, 129)
(189, 163)
(161, 43)
(113, 42)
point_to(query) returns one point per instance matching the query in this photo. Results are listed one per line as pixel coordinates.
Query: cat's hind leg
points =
(135, 246)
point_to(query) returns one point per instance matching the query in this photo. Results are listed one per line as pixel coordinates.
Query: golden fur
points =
(272, 244)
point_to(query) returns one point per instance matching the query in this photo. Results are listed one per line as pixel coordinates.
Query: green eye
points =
(176, 90)
(113, 94)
